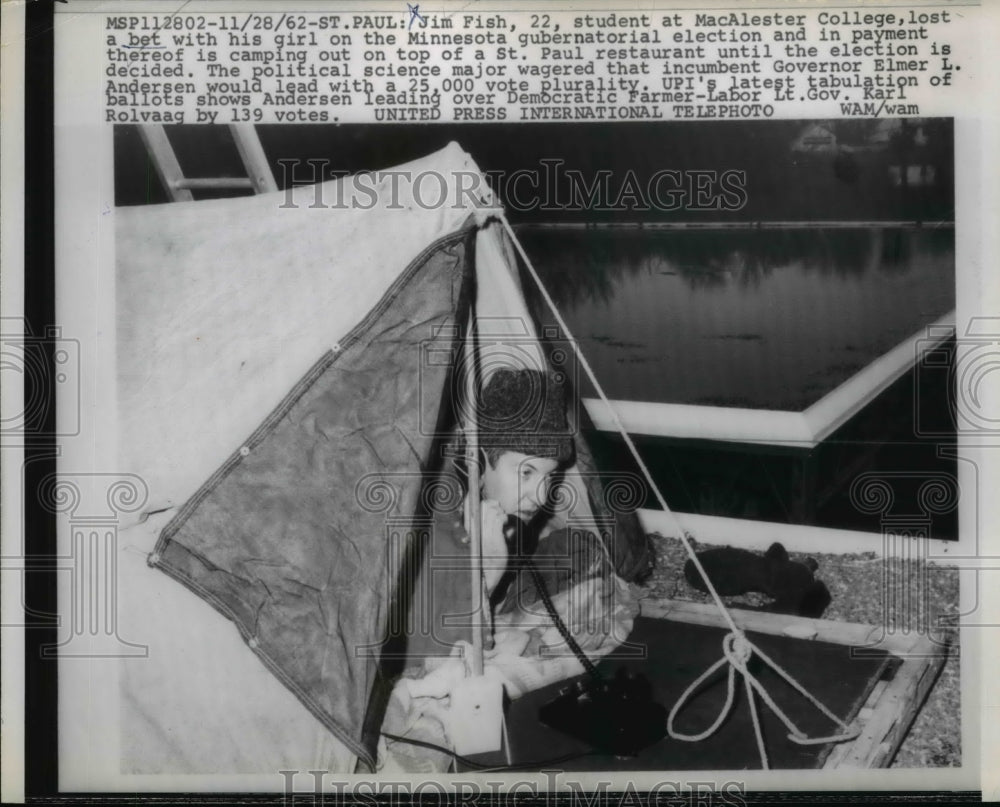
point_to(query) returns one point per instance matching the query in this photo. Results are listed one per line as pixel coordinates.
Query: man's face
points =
(519, 483)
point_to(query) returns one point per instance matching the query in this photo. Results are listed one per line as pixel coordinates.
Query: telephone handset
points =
(617, 716)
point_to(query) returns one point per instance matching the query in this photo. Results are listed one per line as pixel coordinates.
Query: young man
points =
(526, 444)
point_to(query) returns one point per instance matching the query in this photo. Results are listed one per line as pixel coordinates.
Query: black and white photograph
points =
(749, 322)
(510, 445)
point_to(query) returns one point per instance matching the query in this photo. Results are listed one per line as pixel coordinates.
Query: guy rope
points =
(737, 649)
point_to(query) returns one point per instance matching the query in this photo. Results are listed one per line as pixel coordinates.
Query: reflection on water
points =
(770, 319)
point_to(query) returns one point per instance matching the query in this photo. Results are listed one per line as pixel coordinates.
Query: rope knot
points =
(737, 649)
(485, 213)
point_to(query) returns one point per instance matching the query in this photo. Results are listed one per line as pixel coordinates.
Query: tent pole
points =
(475, 503)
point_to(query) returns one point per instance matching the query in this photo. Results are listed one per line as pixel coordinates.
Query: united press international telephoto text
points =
(538, 66)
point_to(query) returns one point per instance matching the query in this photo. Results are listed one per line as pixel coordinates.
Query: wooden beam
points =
(700, 613)
(216, 183)
(892, 712)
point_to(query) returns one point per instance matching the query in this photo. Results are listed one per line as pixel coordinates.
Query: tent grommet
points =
(252, 643)
(244, 451)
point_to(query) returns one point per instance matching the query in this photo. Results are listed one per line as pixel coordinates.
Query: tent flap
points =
(281, 539)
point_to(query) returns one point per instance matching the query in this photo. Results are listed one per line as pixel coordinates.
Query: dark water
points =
(769, 319)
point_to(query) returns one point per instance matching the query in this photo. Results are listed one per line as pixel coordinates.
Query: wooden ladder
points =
(259, 178)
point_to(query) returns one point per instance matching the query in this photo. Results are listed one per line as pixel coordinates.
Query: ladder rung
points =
(214, 183)
(260, 179)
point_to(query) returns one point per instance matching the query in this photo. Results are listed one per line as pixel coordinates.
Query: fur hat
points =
(525, 411)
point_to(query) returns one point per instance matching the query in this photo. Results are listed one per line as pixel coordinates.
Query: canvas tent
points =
(287, 370)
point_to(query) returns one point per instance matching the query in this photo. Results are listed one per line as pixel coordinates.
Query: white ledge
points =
(804, 429)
